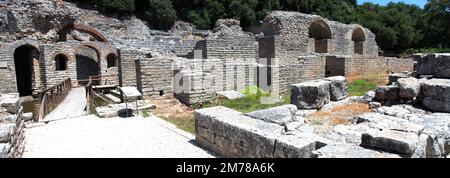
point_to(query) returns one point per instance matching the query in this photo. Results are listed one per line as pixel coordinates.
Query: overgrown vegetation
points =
(253, 101)
(361, 84)
(398, 26)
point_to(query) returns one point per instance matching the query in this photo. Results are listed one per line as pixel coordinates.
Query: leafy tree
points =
(160, 14)
(436, 23)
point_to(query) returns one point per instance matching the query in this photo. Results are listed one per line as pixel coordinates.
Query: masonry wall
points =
(244, 47)
(12, 127)
(7, 69)
(301, 69)
(359, 65)
(202, 78)
(398, 65)
(156, 76)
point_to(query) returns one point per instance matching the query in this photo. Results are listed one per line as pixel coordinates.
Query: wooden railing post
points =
(51, 97)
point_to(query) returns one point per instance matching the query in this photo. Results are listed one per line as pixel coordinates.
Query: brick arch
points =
(97, 50)
(82, 28)
(26, 42)
(319, 29)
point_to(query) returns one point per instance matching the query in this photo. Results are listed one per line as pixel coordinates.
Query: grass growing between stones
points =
(360, 85)
(176, 113)
(250, 103)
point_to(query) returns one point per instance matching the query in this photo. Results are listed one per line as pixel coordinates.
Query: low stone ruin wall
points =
(12, 127)
(398, 131)
(433, 65)
(397, 65)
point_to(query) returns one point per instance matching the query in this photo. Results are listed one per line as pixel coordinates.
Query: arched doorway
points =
(87, 62)
(26, 62)
(358, 39)
(321, 32)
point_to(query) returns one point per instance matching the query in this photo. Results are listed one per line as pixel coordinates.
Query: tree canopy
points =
(398, 26)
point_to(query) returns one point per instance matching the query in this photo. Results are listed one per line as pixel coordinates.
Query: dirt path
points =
(90, 136)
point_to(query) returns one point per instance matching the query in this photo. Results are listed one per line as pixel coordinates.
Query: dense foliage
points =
(398, 26)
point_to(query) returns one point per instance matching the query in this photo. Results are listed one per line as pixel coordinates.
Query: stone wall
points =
(398, 65)
(198, 80)
(44, 72)
(301, 69)
(12, 127)
(436, 65)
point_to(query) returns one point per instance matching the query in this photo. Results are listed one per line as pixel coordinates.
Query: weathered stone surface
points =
(4, 150)
(305, 112)
(379, 121)
(387, 93)
(338, 88)
(391, 140)
(231, 95)
(278, 115)
(374, 105)
(394, 77)
(348, 134)
(369, 96)
(409, 87)
(399, 110)
(422, 147)
(6, 130)
(350, 151)
(436, 94)
(11, 104)
(27, 116)
(310, 95)
(292, 126)
(442, 67)
(291, 146)
(231, 134)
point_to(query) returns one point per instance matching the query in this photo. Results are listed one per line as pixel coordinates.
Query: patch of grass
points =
(253, 101)
(360, 87)
(186, 122)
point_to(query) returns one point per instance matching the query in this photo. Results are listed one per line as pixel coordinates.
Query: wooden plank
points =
(72, 106)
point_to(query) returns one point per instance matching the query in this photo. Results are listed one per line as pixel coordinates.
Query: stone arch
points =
(111, 60)
(88, 59)
(61, 61)
(321, 32)
(81, 28)
(358, 38)
(27, 68)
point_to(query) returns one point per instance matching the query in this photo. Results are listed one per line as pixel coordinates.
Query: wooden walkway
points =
(73, 105)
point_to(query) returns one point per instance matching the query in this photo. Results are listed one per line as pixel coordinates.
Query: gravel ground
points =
(90, 136)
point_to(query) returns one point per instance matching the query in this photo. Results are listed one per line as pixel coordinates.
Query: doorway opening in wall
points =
(26, 62)
(111, 60)
(321, 32)
(87, 63)
(358, 39)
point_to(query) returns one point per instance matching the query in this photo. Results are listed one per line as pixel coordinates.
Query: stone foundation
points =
(12, 127)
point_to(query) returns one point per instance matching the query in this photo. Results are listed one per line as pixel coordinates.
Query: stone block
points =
(11, 105)
(4, 150)
(338, 88)
(27, 116)
(348, 134)
(394, 77)
(291, 146)
(231, 134)
(382, 122)
(6, 131)
(369, 96)
(387, 93)
(436, 94)
(391, 140)
(310, 95)
(409, 88)
(279, 115)
(350, 151)
(442, 68)
(230, 95)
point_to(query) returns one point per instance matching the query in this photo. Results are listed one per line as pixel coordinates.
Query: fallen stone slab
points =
(338, 88)
(391, 140)
(369, 96)
(230, 95)
(291, 146)
(394, 77)
(279, 115)
(409, 88)
(379, 121)
(305, 112)
(436, 94)
(387, 93)
(348, 134)
(442, 68)
(11, 104)
(231, 134)
(400, 111)
(350, 151)
(310, 95)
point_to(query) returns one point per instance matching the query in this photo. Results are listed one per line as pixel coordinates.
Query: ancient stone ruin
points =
(44, 43)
